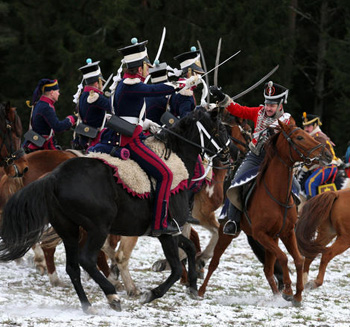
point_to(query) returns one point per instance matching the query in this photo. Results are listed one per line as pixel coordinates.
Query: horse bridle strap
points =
(8, 161)
(296, 148)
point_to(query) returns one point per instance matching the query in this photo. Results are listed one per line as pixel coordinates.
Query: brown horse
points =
(10, 135)
(271, 213)
(323, 218)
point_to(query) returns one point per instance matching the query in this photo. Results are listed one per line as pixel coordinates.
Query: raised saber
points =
(108, 80)
(217, 60)
(256, 84)
(205, 68)
(159, 51)
(221, 63)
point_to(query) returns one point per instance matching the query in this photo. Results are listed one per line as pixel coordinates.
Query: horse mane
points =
(270, 152)
(185, 125)
(2, 116)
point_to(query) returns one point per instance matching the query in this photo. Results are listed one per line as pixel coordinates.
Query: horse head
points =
(10, 142)
(302, 146)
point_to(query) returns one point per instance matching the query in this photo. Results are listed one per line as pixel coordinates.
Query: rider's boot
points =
(232, 226)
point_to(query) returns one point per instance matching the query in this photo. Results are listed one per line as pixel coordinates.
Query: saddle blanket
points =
(135, 180)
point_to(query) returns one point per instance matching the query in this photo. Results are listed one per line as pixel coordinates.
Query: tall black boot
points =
(232, 226)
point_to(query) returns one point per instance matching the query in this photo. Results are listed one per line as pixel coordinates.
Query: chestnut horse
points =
(323, 218)
(271, 214)
(10, 135)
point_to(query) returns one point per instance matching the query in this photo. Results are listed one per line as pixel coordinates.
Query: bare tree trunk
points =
(320, 65)
(292, 42)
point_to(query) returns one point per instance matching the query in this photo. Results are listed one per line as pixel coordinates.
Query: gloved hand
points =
(192, 81)
(151, 126)
(154, 127)
(217, 93)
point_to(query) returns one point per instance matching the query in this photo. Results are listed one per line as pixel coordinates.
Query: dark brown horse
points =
(271, 213)
(10, 135)
(323, 218)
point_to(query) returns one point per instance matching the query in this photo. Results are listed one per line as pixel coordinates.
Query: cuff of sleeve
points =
(226, 102)
(72, 120)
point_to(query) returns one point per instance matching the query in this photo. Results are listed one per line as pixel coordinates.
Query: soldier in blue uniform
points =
(129, 105)
(92, 107)
(43, 121)
(319, 174)
(157, 106)
(183, 102)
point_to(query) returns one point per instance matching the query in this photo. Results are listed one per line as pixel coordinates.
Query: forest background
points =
(310, 40)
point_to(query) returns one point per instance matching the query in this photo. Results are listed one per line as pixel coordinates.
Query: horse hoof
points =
(159, 265)
(115, 305)
(147, 297)
(193, 293)
(287, 297)
(311, 285)
(133, 292)
(296, 303)
(89, 310)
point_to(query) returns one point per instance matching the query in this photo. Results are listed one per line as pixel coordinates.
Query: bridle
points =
(8, 141)
(305, 158)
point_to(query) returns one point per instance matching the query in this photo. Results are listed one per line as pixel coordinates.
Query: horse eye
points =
(299, 138)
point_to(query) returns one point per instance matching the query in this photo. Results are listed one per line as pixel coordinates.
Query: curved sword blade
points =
(256, 84)
(217, 60)
(158, 52)
(204, 66)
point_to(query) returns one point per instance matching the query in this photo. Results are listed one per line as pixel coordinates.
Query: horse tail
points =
(25, 217)
(315, 212)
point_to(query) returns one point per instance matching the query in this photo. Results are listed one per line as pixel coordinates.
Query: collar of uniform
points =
(47, 100)
(88, 88)
(136, 76)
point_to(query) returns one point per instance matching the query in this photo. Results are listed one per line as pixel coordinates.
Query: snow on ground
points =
(237, 295)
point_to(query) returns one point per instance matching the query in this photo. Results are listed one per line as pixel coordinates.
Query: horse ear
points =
(282, 124)
(7, 107)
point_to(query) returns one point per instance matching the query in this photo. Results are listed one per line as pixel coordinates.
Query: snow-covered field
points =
(238, 295)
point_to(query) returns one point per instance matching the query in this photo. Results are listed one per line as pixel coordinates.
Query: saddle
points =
(135, 180)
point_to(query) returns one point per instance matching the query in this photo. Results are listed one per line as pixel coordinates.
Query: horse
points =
(323, 218)
(10, 133)
(270, 214)
(82, 192)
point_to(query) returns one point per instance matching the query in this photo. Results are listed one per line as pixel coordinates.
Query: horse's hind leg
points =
(88, 259)
(306, 270)
(70, 237)
(170, 248)
(340, 245)
(39, 259)
(222, 244)
(122, 257)
(259, 252)
(188, 246)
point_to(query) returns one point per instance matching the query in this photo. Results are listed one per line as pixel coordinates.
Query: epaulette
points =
(93, 96)
(132, 81)
(186, 92)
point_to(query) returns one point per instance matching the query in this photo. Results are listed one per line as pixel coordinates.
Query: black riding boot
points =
(232, 226)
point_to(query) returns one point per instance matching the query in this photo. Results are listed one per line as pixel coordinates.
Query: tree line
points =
(309, 40)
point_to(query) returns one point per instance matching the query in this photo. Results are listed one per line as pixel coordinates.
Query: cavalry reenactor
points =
(92, 106)
(129, 108)
(320, 175)
(44, 122)
(265, 118)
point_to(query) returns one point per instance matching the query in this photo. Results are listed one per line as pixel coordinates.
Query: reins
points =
(305, 158)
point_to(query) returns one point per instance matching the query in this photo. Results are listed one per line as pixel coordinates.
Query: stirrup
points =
(227, 228)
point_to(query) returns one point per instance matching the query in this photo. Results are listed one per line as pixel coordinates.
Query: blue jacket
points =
(155, 108)
(44, 118)
(92, 110)
(182, 105)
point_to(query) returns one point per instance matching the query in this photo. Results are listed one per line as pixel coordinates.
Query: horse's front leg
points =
(271, 245)
(269, 263)
(170, 248)
(290, 243)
